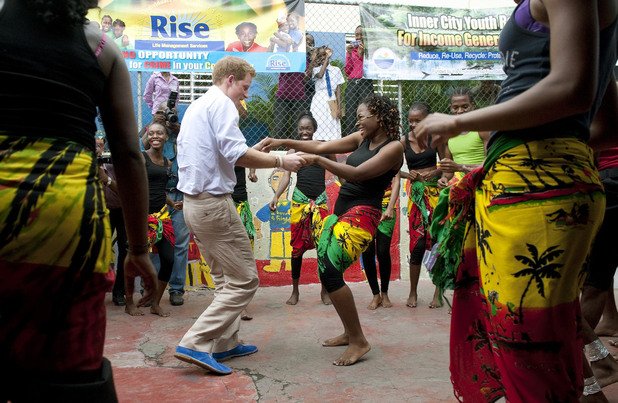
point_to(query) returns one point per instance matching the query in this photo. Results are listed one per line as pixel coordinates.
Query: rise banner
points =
(191, 35)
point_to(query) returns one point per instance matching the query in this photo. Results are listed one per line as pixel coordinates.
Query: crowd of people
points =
(525, 192)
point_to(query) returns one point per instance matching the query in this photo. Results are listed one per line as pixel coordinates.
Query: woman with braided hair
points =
(376, 158)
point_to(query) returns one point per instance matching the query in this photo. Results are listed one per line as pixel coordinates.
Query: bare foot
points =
(132, 310)
(605, 329)
(434, 304)
(244, 315)
(386, 302)
(325, 298)
(605, 370)
(157, 310)
(293, 300)
(352, 354)
(375, 302)
(411, 301)
(341, 340)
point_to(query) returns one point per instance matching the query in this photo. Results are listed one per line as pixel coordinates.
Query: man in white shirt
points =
(209, 145)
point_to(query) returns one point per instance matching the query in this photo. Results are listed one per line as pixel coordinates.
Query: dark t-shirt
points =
(157, 178)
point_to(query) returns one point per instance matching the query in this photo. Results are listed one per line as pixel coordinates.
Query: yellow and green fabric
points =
(306, 216)
(55, 246)
(516, 321)
(343, 238)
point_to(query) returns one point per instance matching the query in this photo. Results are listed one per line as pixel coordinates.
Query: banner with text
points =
(432, 43)
(191, 36)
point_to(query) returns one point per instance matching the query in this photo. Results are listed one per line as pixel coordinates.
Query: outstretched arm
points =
(568, 89)
(339, 146)
(388, 158)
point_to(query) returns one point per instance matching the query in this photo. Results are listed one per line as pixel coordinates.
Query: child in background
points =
(281, 41)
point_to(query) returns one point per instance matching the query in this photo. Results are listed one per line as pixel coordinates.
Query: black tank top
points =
(369, 192)
(526, 56)
(310, 181)
(157, 179)
(239, 194)
(425, 159)
(51, 80)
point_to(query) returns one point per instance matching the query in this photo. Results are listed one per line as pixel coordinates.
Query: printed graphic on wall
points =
(432, 43)
(191, 36)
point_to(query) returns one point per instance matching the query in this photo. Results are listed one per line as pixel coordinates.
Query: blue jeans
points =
(181, 248)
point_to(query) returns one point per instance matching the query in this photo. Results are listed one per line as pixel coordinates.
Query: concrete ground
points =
(408, 361)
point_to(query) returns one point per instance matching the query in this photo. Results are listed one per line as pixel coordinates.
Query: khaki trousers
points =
(224, 243)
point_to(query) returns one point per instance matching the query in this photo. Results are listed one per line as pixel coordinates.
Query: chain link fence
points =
(276, 99)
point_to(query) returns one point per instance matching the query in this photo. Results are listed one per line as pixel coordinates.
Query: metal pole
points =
(400, 98)
(139, 104)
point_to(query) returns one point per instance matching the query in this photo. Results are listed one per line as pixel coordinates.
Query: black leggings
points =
(383, 244)
(166, 256)
(297, 263)
(416, 257)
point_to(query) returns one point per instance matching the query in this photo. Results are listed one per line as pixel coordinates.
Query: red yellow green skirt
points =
(246, 216)
(422, 199)
(55, 255)
(344, 238)
(306, 216)
(516, 320)
(160, 226)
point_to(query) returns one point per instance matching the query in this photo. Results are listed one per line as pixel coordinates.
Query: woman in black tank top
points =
(309, 206)
(423, 191)
(376, 158)
(536, 205)
(158, 169)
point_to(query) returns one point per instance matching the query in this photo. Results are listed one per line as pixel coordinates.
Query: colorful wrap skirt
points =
(160, 226)
(246, 216)
(423, 197)
(344, 238)
(387, 227)
(516, 322)
(306, 216)
(55, 255)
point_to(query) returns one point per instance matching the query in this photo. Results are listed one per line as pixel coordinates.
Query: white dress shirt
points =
(209, 144)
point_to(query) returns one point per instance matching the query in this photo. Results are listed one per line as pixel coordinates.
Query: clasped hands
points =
(290, 162)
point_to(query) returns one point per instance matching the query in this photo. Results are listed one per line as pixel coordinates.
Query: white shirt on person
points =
(209, 144)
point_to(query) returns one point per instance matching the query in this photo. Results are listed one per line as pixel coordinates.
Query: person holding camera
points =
(158, 89)
(168, 117)
(358, 88)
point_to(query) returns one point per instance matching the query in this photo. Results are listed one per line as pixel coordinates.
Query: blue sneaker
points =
(200, 359)
(238, 351)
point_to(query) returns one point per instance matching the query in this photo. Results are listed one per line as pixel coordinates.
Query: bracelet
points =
(138, 249)
(278, 161)
(109, 181)
(591, 386)
(596, 351)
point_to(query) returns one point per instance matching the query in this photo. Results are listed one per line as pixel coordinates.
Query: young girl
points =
(309, 206)
(160, 230)
(375, 160)
(516, 324)
(423, 175)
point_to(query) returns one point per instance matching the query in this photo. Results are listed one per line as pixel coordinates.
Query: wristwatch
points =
(109, 181)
